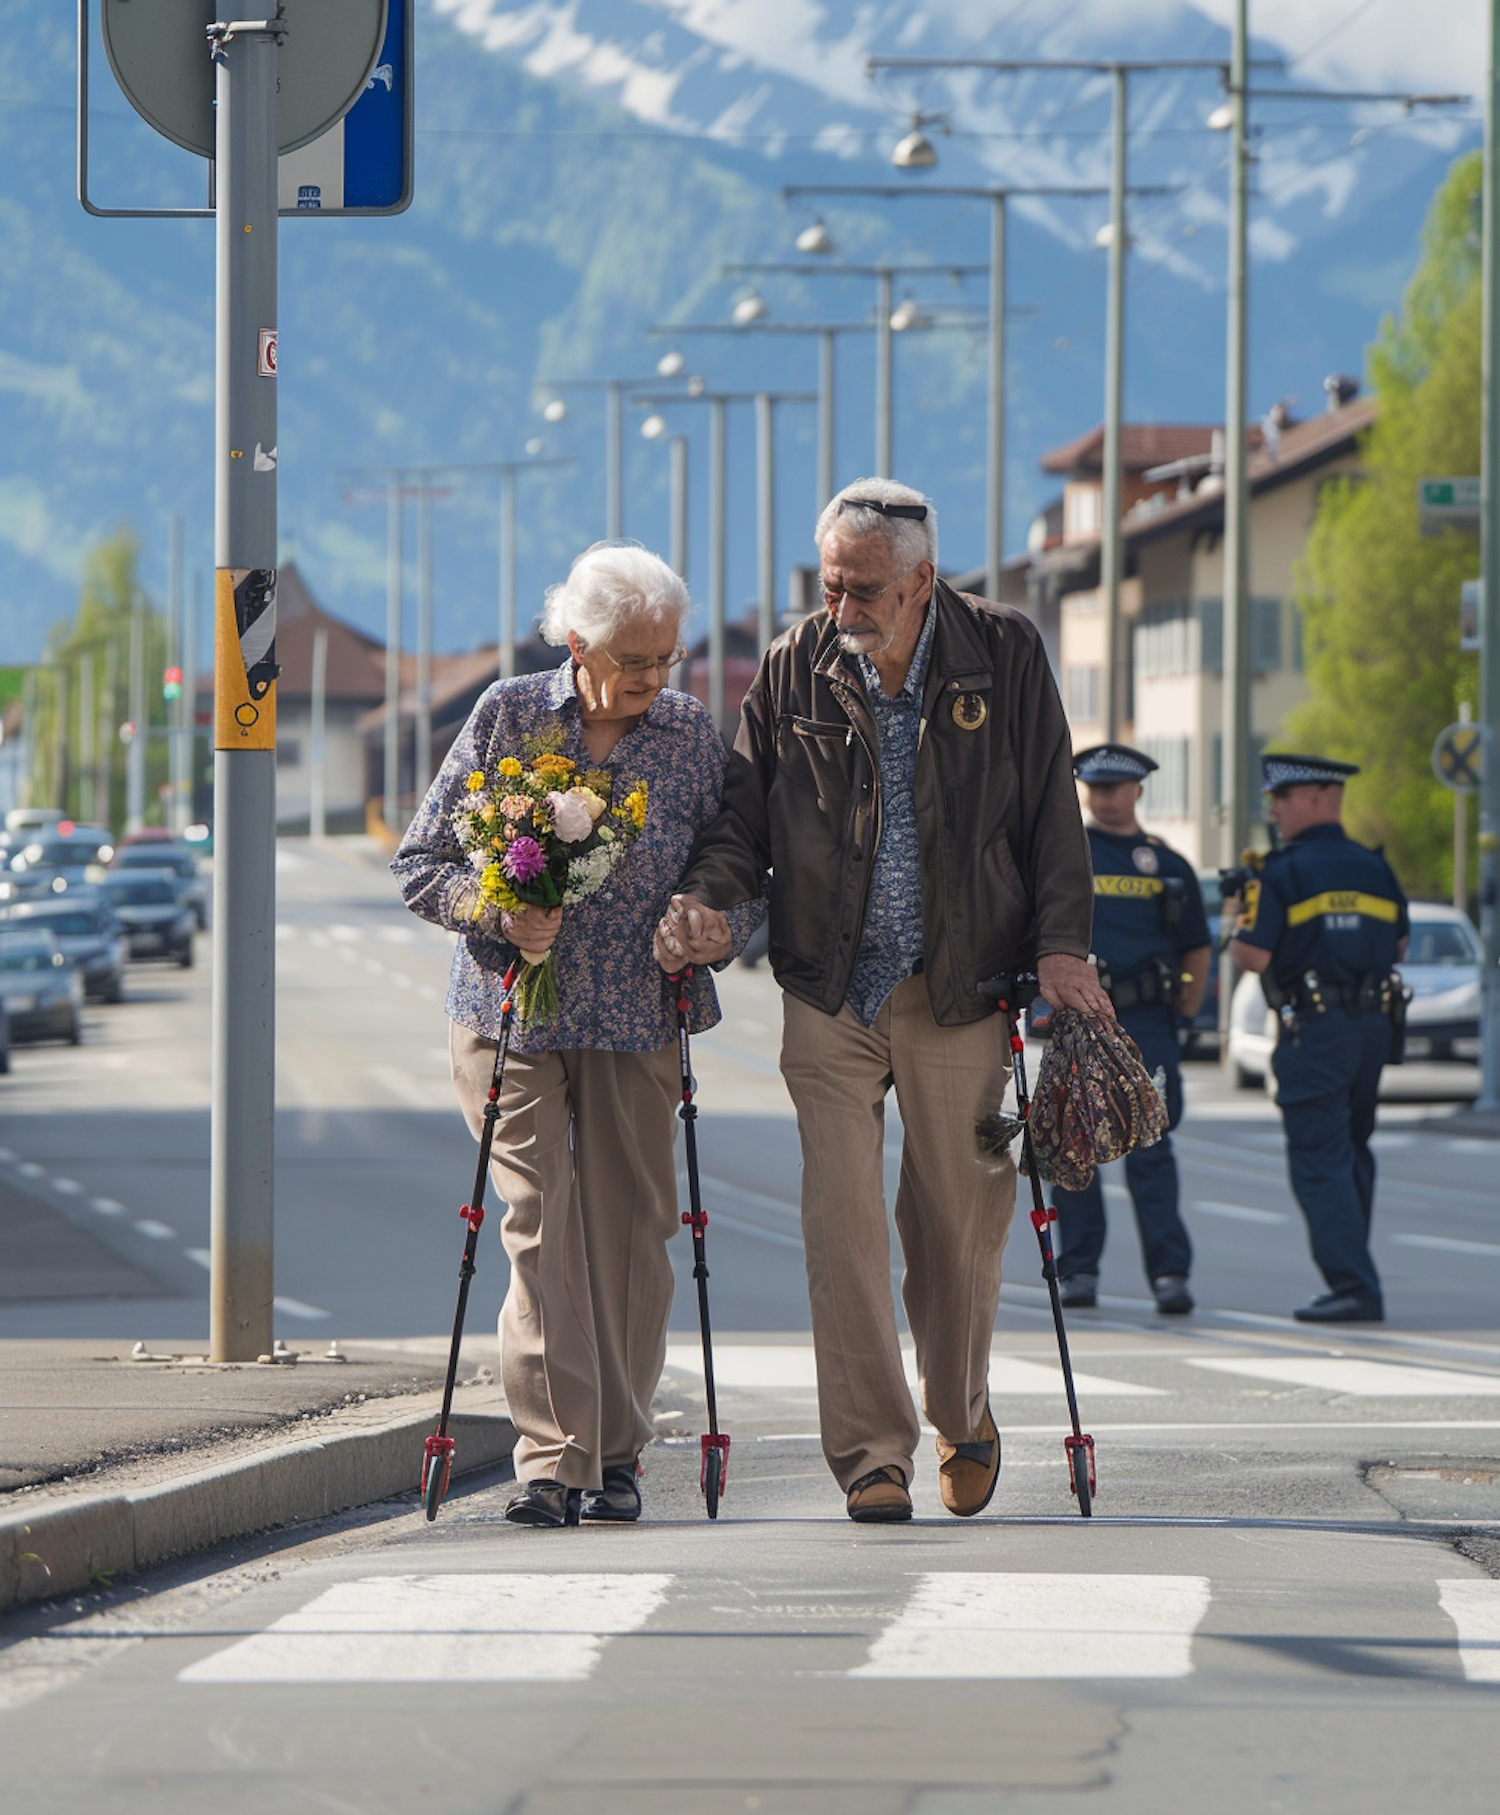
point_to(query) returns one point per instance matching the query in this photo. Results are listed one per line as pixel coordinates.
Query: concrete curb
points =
(64, 1546)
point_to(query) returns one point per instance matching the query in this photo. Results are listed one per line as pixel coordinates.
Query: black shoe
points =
(544, 1503)
(1170, 1291)
(1341, 1307)
(1079, 1291)
(618, 1502)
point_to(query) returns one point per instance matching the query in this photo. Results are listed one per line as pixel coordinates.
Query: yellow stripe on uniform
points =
(1136, 887)
(1342, 901)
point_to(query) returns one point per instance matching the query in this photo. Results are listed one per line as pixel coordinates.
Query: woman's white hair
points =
(608, 585)
(909, 540)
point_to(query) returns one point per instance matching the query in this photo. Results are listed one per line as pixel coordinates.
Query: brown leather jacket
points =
(1006, 876)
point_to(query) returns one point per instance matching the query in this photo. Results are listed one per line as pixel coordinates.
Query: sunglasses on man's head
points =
(916, 512)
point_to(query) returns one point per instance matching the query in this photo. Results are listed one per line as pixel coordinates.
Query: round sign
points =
(1458, 758)
(159, 52)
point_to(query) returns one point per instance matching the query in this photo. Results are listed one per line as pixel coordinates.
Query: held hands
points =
(1073, 983)
(531, 929)
(691, 932)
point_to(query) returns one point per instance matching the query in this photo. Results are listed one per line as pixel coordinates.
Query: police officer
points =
(1151, 940)
(1324, 927)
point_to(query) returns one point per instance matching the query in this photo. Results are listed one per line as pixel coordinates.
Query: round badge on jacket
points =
(970, 711)
(1145, 860)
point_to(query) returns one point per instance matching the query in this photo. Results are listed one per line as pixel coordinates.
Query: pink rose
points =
(571, 819)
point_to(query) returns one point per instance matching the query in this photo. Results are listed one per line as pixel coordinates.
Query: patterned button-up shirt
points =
(890, 945)
(612, 991)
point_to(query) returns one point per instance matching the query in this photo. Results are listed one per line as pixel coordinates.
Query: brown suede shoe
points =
(879, 1498)
(967, 1472)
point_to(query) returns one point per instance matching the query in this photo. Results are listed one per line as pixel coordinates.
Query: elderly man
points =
(903, 771)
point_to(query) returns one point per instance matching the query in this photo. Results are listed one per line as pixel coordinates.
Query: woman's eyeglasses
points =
(639, 665)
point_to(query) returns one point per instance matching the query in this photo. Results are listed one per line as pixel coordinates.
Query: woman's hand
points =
(691, 932)
(532, 929)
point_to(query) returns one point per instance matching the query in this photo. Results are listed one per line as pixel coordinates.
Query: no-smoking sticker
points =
(267, 364)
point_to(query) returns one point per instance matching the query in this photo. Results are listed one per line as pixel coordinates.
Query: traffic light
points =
(171, 684)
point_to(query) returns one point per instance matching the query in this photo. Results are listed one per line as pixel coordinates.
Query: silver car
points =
(42, 987)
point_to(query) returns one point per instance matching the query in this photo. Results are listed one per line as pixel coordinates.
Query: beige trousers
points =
(583, 1160)
(952, 1215)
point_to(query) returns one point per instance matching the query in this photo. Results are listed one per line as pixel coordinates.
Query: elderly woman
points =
(583, 1147)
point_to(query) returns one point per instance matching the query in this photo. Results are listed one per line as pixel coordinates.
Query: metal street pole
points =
(242, 1140)
(614, 465)
(190, 622)
(1489, 658)
(718, 572)
(1234, 742)
(422, 728)
(61, 743)
(827, 377)
(173, 659)
(87, 732)
(1112, 545)
(106, 744)
(677, 455)
(317, 801)
(507, 573)
(884, 375)
(135, 755)
(390, 810)
(994, 502)
(765, 516)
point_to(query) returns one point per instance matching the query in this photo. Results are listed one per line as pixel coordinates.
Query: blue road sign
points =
(363, 165)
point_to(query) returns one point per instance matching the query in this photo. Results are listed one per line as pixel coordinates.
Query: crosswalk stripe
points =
(442, 1628)
(1474, 1608)
(959, 1624)
(756, 1367)
(1361, 1379)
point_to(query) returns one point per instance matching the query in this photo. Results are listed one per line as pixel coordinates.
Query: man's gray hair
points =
(608, 585)
(909, 540)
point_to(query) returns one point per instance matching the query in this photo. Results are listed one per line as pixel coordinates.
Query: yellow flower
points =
(495, 891)
(634, 806)
(509, 765)
(475, 781)
(589, 798)
(550, 764)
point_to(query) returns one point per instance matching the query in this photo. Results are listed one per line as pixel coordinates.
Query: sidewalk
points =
(112, 1461)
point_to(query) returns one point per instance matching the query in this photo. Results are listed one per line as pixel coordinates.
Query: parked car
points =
(42, 987)
(87, 930)
(169, 854)
(1441, 969)
(4, 1036)
(158, 922)
(52, 861)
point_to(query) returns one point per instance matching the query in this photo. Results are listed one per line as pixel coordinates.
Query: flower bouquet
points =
(542, 834)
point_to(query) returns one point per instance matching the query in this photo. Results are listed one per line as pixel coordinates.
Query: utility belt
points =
(1375, 993)
(1156, 987)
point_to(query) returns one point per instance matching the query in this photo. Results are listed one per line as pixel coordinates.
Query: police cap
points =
(1103, 764)
(1282, 771)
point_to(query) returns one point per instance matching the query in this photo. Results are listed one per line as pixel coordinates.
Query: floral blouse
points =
(613, 993)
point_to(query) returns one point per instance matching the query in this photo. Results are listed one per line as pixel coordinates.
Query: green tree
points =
(1379, 600)
(88, 656)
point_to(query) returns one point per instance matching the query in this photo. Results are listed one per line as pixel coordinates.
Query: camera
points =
(1238, 877)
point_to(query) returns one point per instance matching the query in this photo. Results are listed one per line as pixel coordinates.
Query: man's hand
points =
(691, 932)
(532, 929)
(1073, 983)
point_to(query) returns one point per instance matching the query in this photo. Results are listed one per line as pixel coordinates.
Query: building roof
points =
(356, 661)
(1142, 445)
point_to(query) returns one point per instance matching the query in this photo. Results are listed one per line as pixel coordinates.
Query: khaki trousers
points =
(952, 1215)
(583, 1160)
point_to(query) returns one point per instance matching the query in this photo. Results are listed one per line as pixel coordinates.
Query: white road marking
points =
(201, 1255)
(1240, 1213)
(754, 1200)
(1448, 1244)
(30, 1169)
(107, 1206)
(6, 1155)
(344, 934)
(159, 1232)
(284, 930)
(442, 1628)
(296, 1307)
(960, 1624)
(397, 935)
(757, 1367)
(1364, 1379)
(69, 1187)
(1474, 1608)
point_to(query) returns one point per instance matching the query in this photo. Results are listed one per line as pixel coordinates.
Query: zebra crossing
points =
(544, 1627)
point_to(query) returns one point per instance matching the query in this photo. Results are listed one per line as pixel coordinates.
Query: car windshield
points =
(74, 926)
(153, 857)
(18, 956)
(60, 853)
(1441, 942)
(141, 892)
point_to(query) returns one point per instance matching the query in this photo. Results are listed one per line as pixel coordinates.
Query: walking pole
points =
(1012, 996)
(437, 1455)
(713, 1469)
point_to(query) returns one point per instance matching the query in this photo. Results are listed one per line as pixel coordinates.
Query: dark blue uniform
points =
(1331, 914)
(1148, 913)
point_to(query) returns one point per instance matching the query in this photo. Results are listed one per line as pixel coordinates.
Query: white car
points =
(1442, 1021)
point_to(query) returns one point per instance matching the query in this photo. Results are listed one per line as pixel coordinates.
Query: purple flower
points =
(524, 861)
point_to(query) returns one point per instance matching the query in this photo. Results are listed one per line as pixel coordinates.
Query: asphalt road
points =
(1287, 1600)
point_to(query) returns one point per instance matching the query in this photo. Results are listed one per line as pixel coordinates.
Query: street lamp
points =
(816, 239)
(884, 276)
(916, 151)
(751, 308)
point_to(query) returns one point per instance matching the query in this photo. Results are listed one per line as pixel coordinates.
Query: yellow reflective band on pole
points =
(1138, 888)
(244, 659)
(1342, 901)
